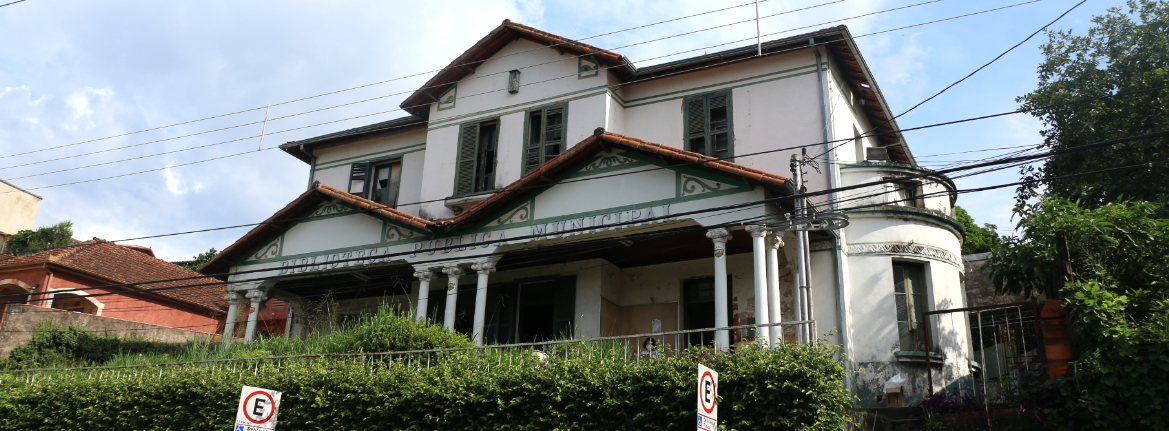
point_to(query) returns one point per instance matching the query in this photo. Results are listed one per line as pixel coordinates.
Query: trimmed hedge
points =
(798, 387)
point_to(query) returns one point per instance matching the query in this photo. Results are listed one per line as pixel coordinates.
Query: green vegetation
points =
(383, 331)
(1122, 53)
(580, 385)
(199, 259)
(35, 241)
(978, 239)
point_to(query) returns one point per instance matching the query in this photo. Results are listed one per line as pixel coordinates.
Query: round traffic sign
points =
(256, 410)
(709, 392)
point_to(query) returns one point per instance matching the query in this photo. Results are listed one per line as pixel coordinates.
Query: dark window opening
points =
(387, 179)
(698, 309)
(518, 312)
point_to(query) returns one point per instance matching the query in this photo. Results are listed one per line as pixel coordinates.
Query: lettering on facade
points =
(335, 260)
(555, 229)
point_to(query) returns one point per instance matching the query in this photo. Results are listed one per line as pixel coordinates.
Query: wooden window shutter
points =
(544, 135)
(708, 124)
(359, 179)
(467, 158)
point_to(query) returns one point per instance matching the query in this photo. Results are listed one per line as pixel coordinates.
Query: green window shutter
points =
(708, 125)
(467, 158)
(695, 134)
(359, 179)
(564, 307)
(544, 136)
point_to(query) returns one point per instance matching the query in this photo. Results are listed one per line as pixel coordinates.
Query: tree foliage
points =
(199, 259)
(1127, 50)
(978, 239)
(1121, 243)
(47, 237)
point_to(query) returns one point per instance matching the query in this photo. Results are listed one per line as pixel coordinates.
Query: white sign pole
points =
(707, 399)
(257, 409)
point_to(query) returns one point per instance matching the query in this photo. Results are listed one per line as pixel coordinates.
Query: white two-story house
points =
(539, 187)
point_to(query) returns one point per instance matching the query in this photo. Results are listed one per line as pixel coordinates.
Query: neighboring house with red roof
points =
(541, 187)
(71, 278)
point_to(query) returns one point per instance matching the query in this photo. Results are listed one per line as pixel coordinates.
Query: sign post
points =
(257, 409)
(707, 399)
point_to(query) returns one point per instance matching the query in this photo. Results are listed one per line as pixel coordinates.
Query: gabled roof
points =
(120, 264)
(597, 143)
(465, 64)
(21, 190)
(835, 42)
(290, 214)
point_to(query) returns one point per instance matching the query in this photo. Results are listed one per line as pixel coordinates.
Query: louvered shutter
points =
(696, 117)
(533, 139)
(359, 179)
(465, 166)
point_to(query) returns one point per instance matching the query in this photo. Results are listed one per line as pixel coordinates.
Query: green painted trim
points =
(311, 254)
(580, 64)
(281, 251)
(527, 106)
(639, 161)
(914, 211)
(438, 103)
(918, 354)
(724, 88)
(958, 265)
(724, 83)
(372, 156)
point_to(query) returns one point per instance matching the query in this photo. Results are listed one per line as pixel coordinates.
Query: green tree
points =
(36, 241)
(199, 259)
(978, 239)
(1126, 51)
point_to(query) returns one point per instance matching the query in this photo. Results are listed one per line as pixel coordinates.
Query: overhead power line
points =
(419, 122)
(1096, 145)
(553, 46)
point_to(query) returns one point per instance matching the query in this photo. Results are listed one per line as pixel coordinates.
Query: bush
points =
(798, 387)
(54, 346)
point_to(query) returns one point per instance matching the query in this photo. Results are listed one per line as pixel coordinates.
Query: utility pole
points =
(803, 280)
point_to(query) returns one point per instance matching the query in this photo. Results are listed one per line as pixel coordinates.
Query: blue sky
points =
(73, 71)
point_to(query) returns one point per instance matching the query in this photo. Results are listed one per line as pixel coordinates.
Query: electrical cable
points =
(552, 46)
(427, 103)
(618, 238)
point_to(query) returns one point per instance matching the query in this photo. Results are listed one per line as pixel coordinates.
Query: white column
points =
(423, 277)
(721, 320)
(452, 292)
(758, 234)
(233, 300)
(256, 297)
(774, 243)
(483, 268)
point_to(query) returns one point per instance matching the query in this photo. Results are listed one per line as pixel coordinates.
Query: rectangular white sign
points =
(257, 409)
(707, 399)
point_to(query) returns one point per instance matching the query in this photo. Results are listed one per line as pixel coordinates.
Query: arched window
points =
(69, 302)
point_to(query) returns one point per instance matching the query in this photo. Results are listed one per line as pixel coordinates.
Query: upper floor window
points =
(708, 125)
(475, 167)
(907, 194)
(544, 138)
(377, 181)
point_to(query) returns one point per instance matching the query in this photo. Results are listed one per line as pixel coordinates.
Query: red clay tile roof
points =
(419, 102)
(288, 215)
(120, 264)
(594, 144)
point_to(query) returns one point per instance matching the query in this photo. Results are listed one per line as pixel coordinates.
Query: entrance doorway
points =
(522, 311)
(698, 309)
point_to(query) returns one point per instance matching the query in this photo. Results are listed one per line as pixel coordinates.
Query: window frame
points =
(687, 135)
(459, 158)
(524, 168)
(369, 169)
(922, 300)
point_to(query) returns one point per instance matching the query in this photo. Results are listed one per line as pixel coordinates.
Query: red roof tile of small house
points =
(120, 264)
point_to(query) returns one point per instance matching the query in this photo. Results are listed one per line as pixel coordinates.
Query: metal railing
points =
(627, 348)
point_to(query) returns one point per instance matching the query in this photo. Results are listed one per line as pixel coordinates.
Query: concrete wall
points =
(20, 321)
(19, 209)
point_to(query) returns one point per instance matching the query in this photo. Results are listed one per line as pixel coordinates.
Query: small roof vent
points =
(876, 154)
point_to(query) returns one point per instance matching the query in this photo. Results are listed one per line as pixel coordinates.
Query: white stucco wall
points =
(19, 209)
